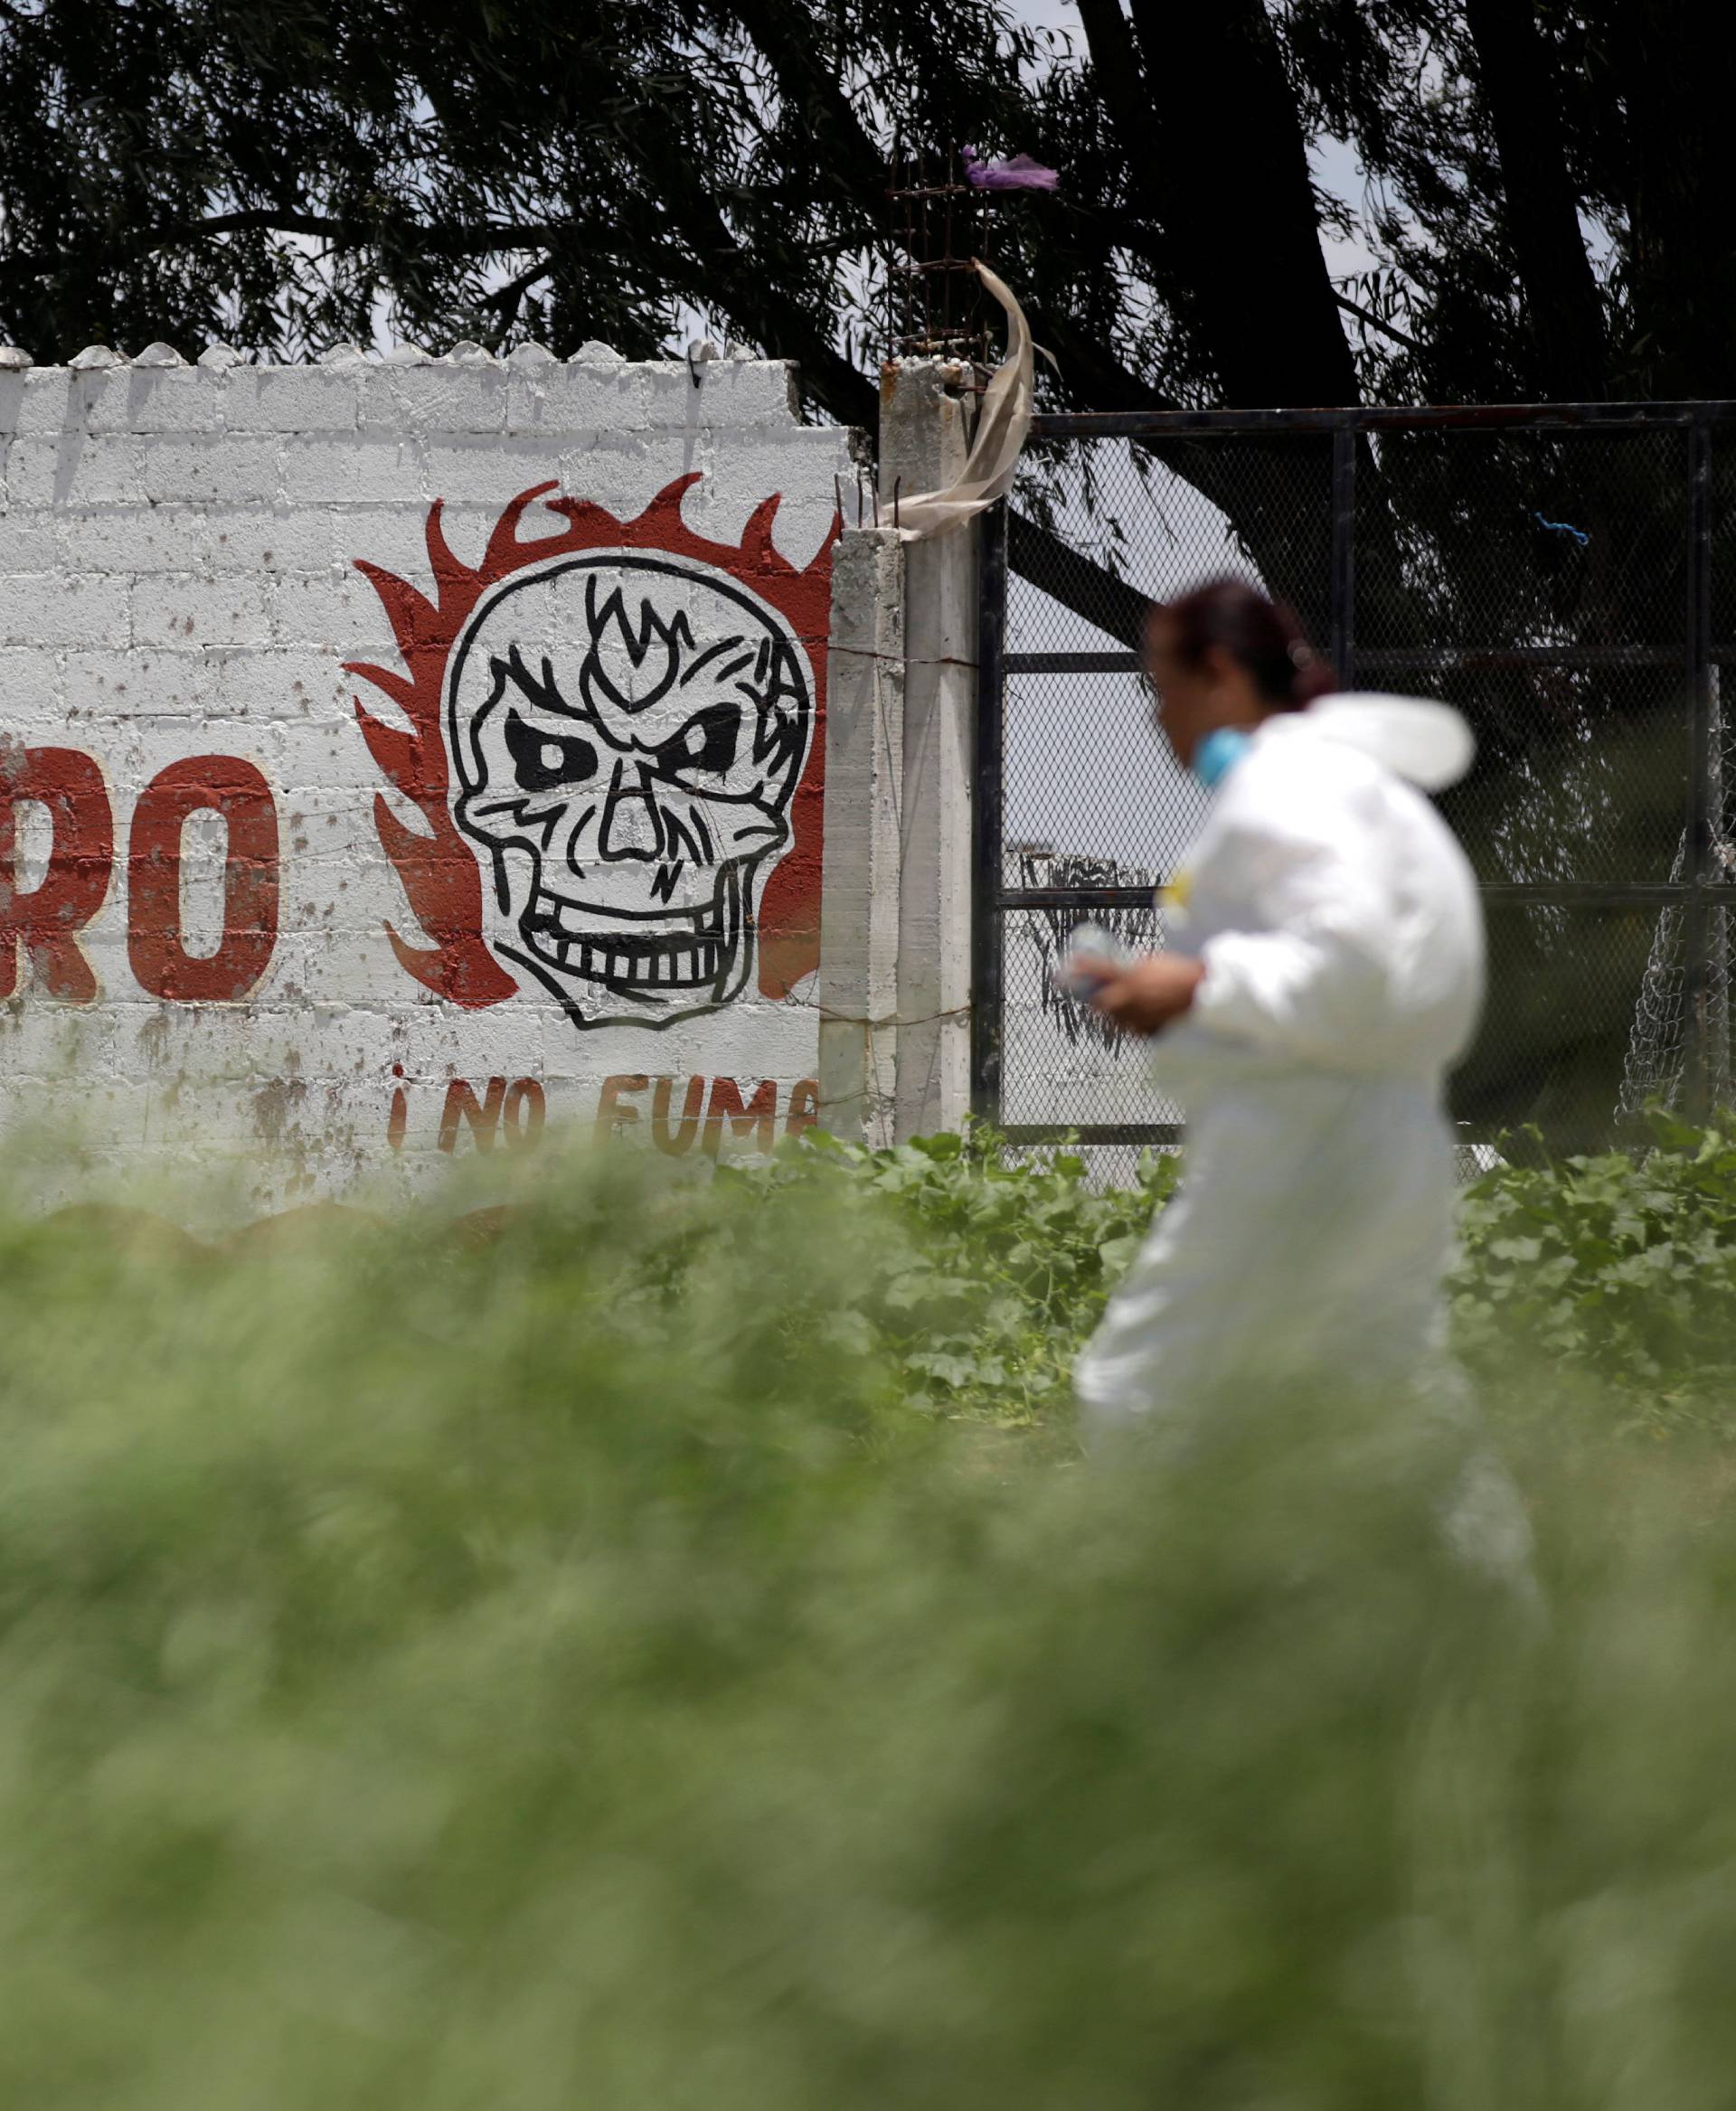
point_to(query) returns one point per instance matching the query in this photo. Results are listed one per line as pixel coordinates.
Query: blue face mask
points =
(1218, 754)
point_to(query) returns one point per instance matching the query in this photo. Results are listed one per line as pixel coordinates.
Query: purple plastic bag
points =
(1018, 172)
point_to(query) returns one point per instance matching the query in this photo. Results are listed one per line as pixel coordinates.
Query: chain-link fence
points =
(1565, 575)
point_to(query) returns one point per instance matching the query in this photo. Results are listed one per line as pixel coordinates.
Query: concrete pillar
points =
(860, 899)
(925, 419)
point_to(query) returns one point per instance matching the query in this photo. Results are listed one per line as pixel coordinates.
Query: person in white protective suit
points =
(1327, 970)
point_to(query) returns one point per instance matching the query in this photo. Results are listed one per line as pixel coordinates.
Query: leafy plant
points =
(1003, 1270)
(1620, 1265)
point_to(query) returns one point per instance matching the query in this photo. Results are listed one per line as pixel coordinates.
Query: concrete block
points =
(486, 470)
(30, 707)
(581, 398)
(337, 610)
(284, 538)
(281, 686)
(435, 399)
(155, 400)
(620, 471)
(133, 540)
(106, 688)
(291, 399)
(372, 469)
(735, 394)
(729, 396)
(222, 469)
(75, 469)
(55, 609)
(48, 401)
(806, 467)
(392, 536)
(27, 542)
(183, 610)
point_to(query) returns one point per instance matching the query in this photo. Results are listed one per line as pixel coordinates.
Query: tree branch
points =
(449, 238)
(1561, 290)
(1077, 582)
(842, 144)
(1119, 77)
(507, 298)
(1238, 206)
(1363, 315)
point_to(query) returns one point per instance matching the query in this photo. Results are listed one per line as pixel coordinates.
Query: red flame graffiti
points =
(440, 872)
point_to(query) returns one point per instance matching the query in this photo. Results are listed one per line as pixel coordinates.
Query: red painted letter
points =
(483, 1116)
(692, 1107)
(80, 857)
(527, 1109)
(160, 959)
(612, 1111)
(755, 1117)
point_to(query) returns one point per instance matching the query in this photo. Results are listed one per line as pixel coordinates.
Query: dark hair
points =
(1260, 634)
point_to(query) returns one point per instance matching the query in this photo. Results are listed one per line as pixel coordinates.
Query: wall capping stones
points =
(218, 357)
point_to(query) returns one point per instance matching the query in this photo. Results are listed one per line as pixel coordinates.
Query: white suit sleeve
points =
(1312, 979)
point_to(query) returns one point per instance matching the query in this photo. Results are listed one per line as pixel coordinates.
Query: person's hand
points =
(1149, 994)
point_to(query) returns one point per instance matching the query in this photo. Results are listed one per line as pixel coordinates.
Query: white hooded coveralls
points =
(1341, 937)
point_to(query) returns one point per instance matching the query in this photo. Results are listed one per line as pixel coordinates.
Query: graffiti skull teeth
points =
(688, 954)
(627, 733)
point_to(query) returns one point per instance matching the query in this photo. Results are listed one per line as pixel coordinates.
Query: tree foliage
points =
(1548, 199)
(295, 177)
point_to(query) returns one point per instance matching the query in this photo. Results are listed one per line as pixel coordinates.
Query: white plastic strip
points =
(1003, 425)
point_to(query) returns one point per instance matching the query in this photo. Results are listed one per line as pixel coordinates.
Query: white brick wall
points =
(177, 580)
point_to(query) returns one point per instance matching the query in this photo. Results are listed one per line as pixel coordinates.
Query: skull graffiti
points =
(627, 733)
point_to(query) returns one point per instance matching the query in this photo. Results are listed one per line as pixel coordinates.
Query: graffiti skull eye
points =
(707, 741)
(544, 762)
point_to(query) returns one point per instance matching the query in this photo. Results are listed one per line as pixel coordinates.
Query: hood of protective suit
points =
(1428, 744)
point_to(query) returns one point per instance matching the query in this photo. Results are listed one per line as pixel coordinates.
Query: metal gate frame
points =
(1698, 891)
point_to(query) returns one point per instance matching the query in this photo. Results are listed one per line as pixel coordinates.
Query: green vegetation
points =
(655, 1649)
(1618, 1272)
(1621, 1268)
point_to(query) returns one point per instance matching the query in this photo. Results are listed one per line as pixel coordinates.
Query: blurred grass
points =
(629, 1651)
